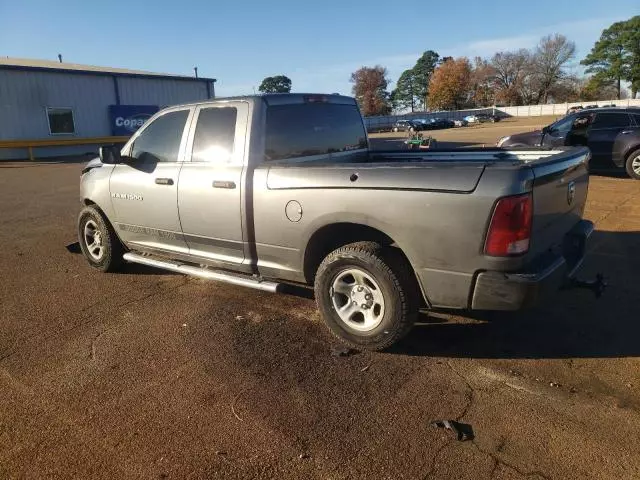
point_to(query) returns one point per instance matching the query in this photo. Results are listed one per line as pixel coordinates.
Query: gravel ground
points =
(151, 375)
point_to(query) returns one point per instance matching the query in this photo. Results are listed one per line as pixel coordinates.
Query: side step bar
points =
(202, 272)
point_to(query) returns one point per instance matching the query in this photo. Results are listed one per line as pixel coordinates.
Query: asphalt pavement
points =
(145, 374)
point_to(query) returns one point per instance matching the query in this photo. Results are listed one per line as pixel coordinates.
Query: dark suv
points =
(626, 149)
(406, 126)
(594, 128)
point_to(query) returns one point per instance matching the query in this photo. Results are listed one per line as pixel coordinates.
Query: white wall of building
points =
(25, 96)
(161, 92)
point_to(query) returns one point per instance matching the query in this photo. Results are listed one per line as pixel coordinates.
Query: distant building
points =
(42, 99)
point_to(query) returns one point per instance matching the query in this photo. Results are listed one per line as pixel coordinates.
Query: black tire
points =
(635, 155)
(397, 284)
(111, 258)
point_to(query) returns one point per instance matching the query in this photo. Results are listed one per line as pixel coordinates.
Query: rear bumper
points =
(513, 291)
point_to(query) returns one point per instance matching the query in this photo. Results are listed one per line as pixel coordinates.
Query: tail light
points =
(510, 229)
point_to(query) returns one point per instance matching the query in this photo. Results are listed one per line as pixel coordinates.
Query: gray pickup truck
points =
(264, 191)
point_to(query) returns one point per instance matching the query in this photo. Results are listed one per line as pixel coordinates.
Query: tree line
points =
(518, 77)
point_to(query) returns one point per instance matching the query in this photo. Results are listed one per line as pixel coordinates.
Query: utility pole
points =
(195, 69)
(411, 92)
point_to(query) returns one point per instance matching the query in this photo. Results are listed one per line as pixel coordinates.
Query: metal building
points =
(65, 104)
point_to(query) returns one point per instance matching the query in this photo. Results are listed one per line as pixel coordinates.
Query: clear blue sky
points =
(316, 44)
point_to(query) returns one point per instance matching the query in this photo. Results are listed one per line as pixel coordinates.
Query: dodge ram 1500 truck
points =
(261, 191)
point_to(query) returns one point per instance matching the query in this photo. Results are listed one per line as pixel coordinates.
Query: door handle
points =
(223, 184)
(164, 181)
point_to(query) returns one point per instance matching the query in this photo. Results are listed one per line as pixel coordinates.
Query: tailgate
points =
(559, 196)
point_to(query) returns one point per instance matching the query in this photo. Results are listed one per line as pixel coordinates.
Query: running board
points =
(178, 267)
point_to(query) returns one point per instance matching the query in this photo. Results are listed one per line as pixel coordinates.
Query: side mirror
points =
(546, 129)
(110, 154)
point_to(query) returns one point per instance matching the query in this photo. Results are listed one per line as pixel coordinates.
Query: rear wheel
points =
(98, 241)
(367, 295)
(633, 165)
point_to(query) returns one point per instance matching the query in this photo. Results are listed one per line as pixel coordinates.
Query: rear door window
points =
(214, 135)
(582, 121)
(611, 120)
(308, 129)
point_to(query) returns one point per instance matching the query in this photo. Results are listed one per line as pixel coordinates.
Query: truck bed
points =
(474, 154)
(434, 205)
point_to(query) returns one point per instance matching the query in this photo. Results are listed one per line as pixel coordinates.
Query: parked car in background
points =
(591, 106)
(444, 123)
(406, 126)
(438, 123)
(626, 149)
(420, 123)
(596, 129)
(574, 109)
(482, 118)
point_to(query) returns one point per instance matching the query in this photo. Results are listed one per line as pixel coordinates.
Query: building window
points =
(60, 121)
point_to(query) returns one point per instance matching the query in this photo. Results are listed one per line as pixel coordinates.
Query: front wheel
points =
(98, 241)
(367, 295)
(633, 165)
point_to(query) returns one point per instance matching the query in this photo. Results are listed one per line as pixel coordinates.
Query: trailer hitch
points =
(597, 286)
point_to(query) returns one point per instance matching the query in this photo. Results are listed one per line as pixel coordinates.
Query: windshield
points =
(563, 125)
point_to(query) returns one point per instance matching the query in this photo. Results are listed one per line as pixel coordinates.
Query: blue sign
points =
(126, 119)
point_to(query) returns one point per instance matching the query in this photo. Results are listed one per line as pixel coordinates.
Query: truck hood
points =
(532, 139)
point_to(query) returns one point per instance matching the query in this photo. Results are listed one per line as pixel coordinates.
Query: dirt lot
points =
(484, 134)
(152, 375)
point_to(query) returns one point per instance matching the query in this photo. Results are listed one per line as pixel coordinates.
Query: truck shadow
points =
(138, 269)
(572, 325)
(608, 171)
(129, 268)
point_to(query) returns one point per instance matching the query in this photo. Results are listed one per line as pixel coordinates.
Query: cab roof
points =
(282, 98)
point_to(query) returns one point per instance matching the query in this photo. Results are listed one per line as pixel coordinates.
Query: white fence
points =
(561, 108)
(387, 121)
